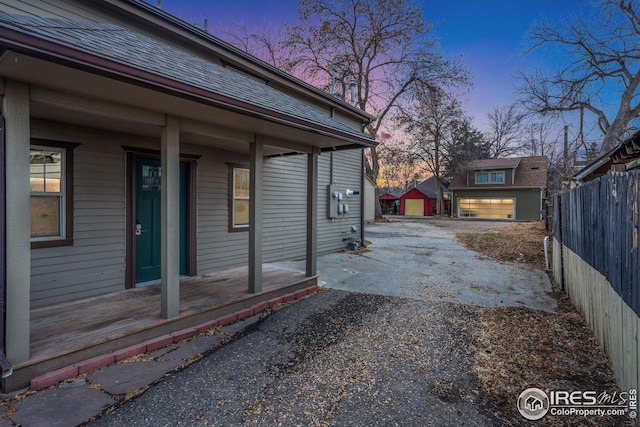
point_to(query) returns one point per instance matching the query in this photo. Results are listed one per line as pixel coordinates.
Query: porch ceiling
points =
(80, 98)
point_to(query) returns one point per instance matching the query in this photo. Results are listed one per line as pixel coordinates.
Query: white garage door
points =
(486, 208)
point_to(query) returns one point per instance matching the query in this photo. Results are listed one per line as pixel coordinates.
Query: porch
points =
(71, 332)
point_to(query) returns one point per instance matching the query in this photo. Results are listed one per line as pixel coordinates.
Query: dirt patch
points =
(457, 226)
(519, 242)
(518, 348)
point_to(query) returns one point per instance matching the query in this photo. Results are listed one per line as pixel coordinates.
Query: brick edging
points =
(54, 377)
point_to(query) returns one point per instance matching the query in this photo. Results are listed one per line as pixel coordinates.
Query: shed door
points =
(414, 207)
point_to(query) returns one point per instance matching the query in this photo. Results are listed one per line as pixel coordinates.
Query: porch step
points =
(33, 376)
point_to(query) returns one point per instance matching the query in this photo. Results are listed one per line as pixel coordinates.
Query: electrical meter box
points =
(334, 198)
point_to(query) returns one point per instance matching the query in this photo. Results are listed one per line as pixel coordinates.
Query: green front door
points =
(148, 220)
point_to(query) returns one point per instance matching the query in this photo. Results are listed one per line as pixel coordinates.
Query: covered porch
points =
(98, 115)
(67, 333)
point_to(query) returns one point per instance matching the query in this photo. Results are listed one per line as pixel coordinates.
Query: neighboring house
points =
(625, 157)
(140, 149)
(512, 188)
(422, 200)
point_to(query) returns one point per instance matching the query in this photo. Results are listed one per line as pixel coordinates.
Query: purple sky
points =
(488, 34)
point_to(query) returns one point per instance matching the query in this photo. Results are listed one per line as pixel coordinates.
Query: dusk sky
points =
(488, 34)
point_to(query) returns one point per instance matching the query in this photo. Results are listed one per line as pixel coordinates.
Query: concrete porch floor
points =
(71, 332)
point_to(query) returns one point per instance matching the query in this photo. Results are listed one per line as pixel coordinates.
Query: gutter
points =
(25, 43)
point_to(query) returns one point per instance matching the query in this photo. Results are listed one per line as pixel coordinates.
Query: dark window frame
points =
(67, 238)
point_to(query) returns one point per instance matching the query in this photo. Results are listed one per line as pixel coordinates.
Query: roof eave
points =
(140, 7)
(22, 42)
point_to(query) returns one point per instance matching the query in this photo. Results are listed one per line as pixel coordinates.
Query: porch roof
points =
(114, 50)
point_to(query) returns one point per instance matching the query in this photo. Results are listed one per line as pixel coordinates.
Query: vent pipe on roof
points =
(206, 25)
(159, 4)
(333, 77)
(352, 83)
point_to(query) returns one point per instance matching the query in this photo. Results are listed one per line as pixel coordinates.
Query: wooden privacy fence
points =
(596, 259)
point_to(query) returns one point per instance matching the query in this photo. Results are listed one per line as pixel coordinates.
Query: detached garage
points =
(510, 189)
(421, 201)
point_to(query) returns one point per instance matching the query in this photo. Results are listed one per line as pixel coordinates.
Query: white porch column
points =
(15, 107)
(312, 213)
(170, 241)
(255, 215)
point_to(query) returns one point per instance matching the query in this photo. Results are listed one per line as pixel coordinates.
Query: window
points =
(51, 195)
(240, 198)
(482, 177)
(490, 177)
(497, 177)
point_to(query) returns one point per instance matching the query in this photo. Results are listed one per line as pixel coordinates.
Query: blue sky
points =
(489, 34)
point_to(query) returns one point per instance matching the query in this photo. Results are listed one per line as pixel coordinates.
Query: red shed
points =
(421, 201)
(389, 204)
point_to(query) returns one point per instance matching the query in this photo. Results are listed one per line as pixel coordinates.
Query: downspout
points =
(5, 367)
(362, 197)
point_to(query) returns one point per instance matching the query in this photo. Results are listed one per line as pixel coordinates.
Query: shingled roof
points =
(124, 46)
(529, 171)
(429, 187)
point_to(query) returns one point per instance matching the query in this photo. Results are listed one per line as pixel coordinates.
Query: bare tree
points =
(602, 77)
(384, 46)
(467, 143)
(263, 43)
(541, 138)
(398, 166)
(430, 124)
(505, 132)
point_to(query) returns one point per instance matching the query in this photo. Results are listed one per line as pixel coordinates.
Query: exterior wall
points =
(96, 261)
(347, 170)
(95, 264)
(527, 201)
(369, 200)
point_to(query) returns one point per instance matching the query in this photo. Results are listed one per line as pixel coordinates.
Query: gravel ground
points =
(335, 358)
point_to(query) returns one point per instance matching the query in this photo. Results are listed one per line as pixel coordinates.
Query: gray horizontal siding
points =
(67, 9)
(95, 264)
(285, 208)
(347, 172)
(217, 248)
(96, 261)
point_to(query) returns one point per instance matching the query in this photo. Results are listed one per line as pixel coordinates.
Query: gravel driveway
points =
(336, 358)
(389, 344)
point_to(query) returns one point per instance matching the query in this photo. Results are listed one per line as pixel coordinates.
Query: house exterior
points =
(422, 200)
(139, 149)
(622, 158)
(510, 189)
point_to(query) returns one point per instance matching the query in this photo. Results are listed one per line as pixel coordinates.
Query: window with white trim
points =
(490, 177)
(49, 194)
(240, 198)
